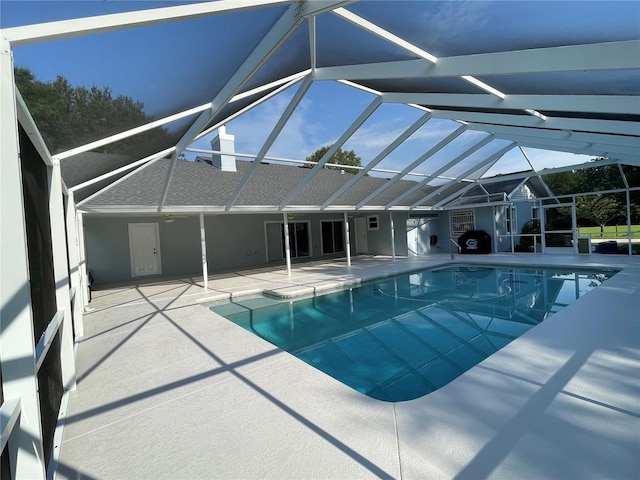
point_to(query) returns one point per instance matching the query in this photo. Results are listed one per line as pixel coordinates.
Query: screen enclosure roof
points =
(432, 96)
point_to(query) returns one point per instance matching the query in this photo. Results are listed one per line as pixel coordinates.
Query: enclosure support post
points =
(629, 243)
(74, 264)
(543, 219)
(61, 274)
(495, 229)
(84, 283)
(347, 240)
(574, 226)
(203, 247)
(287, 247)
(17, 348)
(393, 237)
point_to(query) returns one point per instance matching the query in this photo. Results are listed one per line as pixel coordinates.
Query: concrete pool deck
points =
(168, 389)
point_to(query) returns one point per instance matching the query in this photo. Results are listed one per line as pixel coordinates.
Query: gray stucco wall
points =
(233, 241)
(379, 241)
(107, 246)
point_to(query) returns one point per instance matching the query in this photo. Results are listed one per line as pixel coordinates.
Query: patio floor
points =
(168, 389)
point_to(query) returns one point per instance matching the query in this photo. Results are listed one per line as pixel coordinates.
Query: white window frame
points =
(373, 222)
(344, 241)
(463, 224)
(281, 223)
(510, 220)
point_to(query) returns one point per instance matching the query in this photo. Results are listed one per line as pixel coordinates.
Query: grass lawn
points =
(610, 231)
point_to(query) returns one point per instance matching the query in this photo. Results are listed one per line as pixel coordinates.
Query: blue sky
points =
(165, 79)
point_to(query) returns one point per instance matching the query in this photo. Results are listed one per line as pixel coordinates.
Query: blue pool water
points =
(400, 338)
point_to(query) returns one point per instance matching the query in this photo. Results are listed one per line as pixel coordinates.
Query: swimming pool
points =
(400, 338)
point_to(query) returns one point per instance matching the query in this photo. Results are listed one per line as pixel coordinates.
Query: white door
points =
(144, 248)
(362, 245)
(412, 236)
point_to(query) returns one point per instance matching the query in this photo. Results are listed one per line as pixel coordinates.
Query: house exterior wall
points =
(379, 241)
(233, 241)
(107, 246)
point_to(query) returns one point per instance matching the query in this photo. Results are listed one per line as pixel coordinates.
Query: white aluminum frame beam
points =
(572, 58)
(17, 349)
(61, 275)
(613, 104)
(493, 158)
(472, 149)
(29, 34)
(74, 262)
(292, 81)
(284, 27)
(29, 125)
(378, 158)
(613, 141)
(357, 123)
(616, 127)
(382, 33)
(547, 171)
(454, 195)
(419, 161)
(277, 35)
(575, 147)
(280, 124)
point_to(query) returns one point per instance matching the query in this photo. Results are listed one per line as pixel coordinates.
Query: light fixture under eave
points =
(171, 218)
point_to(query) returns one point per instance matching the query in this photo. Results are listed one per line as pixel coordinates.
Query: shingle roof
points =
(200, 184)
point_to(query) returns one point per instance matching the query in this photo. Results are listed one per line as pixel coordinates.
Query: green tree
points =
(342, 157)
(593, 209)
(69, 116)
(599, 208)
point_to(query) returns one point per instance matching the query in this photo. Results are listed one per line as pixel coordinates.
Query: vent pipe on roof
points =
(223, 142)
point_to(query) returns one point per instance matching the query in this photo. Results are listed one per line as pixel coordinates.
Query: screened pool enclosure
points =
(146, 112)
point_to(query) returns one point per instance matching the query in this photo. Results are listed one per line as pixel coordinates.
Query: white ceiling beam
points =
(150, 159)
(612, 104)
(378, 158)
(282, 121)
(42, 32)
(492, 158)
(257, 102)
(602, 150)
(616, 127)
(454, 195)
(419, 161)
(313, 50)
(541, 133)
(131, 132)
(472, 149)
(559, 146)
(546, 171)
(382, 33)
(574, 58)
(332, 150)
(29, 125)
(276, 36)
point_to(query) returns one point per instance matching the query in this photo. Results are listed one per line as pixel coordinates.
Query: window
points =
(535, 213)
(372, 222)
(332, 236)
(510, 220)
(298, 240)
(462, 221)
